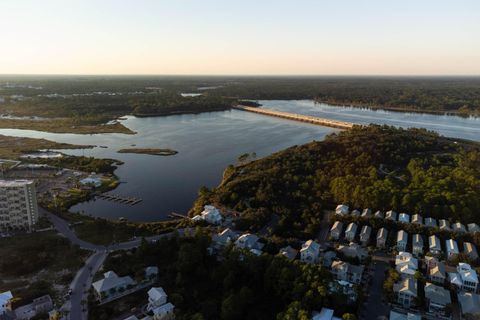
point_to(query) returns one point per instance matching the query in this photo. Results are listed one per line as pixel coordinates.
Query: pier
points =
(298, 117)
(120, 199)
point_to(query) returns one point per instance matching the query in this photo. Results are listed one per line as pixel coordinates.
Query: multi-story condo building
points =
(18, 204)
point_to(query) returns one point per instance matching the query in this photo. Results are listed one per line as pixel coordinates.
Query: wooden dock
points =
(298, 117)
(120, 199)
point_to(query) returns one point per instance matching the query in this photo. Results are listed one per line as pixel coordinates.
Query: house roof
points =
(406, 263)
(342, 209)
(457, 226)
(430, 222)
(469, 303)
(454, 278)
(382, 233)
(379, 214)
(310, 245)
(366, 231)
(437, 294)
(355, 213)
(163, 309)
(338, 225)
(416, 218)
(5, 297)
(400, 316)
(473, 227)
(392, 215)
(470, 249)
(443, 224)
(352, 227)
(225, 236)
(403, 217)
(438, 271)
(324, 314)
(366, 212)
(151, 270)
(249, 240)
(434, 243)
(289, 252)
(451, 246)
(156, 293)
(417, 240)
(467, 273)
(402, 236)
(407, 285)
(111, 280)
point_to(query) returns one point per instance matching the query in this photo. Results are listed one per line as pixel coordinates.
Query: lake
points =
(209, 142)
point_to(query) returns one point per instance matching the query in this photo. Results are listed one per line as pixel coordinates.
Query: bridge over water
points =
(298, 117)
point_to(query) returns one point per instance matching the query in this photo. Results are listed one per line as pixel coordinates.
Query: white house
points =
(342, 210)
(458, 227)
(92, 180)
(382, 238)
(379, 215)
(5, 302)
(417, 244)
(156, 298)
(434, 245)
(365, 234)
(345, 271)
(394, 315)
(406, 264)
(444, 225)
(403, 218)
(289, 252)
(366, 213)
(336, 230)
(469, 303)
(355, 213)
(310, 251)
(151, 272)
(225, 237)
(437, 298)
(351, 231)
(402, 240)
(111, 285)
(209, 214)
(473, 228)
(430, 262)
(164, 312)
(469, 277)
(430, 222)
(406, 291)
(353, 250)
(470, 250)
(249, 241)
(451, 248)
(324, 314)
(417, 219)
(437, 273)
(391, 215)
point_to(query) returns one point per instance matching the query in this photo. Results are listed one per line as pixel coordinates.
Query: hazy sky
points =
(240, 37)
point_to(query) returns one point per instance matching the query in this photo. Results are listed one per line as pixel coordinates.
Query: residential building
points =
(417, 219)
(249, 241)
(336, 230)
(434, 245)
(417, 244)
(351, 231)
(151, 272)
(18, 204)
(437, 298)
(382, 238)
(406, 264)
(209, 214)
(5, 302)
(366, 213)
(469, 303)
(379, 215)
(430, 222)
(470, 250)
(342, 210)
(365, 235)
(92, 180)
(224, 238)
(164, 312)
(430, 262)
(437, 273)
(39, 306)
(444, 225)
(469, 277)
(355, 213)
(473, 228)
(406, 292)
(310, 251)
(345, 271)
(324, 314)
(458, 227)
(353, 250)
(451, 248)
(402, 240)
(158, 305)
(111, 285)
(403, 218)
(394, 315)
(391, 215)
(328, 258)
(289, 252)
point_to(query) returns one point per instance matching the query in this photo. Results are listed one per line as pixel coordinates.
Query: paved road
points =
(374, 308)
(83, 279)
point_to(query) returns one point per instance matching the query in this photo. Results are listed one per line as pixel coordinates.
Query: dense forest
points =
(97, 99)
(379, 167)
(229, 288)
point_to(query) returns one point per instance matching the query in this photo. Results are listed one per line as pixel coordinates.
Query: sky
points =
(240, 37)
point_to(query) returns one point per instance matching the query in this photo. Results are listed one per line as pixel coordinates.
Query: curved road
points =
(82, 281)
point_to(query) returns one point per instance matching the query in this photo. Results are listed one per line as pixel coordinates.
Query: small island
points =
(152, 151)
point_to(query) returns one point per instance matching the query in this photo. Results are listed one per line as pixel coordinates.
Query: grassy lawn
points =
(37, 264)
(63, 126)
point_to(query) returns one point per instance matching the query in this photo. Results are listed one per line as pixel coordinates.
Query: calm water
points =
(450, 126)
(208, 142)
